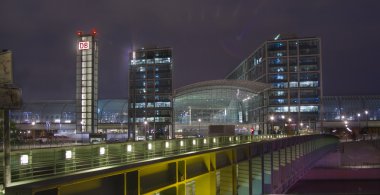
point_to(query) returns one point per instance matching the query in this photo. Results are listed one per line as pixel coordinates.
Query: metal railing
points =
(44, 163)
(49, 162)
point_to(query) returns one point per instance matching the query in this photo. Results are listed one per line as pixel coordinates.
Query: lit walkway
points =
(214, 165)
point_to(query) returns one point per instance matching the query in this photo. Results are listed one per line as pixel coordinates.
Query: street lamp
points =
(145, 123)
(199, 127)
(271, 122)
(290, 127)
(366, 123)
(283, 120)
(359, 120)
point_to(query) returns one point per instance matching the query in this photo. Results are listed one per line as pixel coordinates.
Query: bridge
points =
(212, 165)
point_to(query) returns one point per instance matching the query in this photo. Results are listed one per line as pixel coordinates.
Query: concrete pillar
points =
(283, 171)
(7, 150)
(256, 175)
(276, 177)
(243, 178)
(267, 176)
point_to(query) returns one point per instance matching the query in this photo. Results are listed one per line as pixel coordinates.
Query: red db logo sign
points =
(84, 45)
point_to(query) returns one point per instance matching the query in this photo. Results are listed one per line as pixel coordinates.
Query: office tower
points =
(150, 105)
(87, 83)
(293, 67)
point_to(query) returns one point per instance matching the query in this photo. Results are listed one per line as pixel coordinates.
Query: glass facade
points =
(150, 93)
(213, 105)
(293, 67)
(218, 102)
(338, 108)
(87, 84)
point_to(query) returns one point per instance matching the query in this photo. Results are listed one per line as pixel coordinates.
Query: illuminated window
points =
(293, 84)
(309, 108)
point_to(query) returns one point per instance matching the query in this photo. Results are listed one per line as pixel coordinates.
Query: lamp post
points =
(145, 123)
(346, 125)
(301, 126)
(366, 123)
(199, 127)
(360, 131)
(271, 123)
(283, 120)
(290, 121)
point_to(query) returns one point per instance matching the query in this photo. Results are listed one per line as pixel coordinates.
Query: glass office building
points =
(87, 83)
(150, 108)
(293, 67)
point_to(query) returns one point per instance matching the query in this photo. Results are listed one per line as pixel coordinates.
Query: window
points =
(293, 84)
(309, 84)
(280, 85)
(309, 108)
(279, 109)
(293, 108)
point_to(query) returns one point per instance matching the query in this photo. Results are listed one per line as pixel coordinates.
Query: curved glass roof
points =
(215, 102)
(251, 86)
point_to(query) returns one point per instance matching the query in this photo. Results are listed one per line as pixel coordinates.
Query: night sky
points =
(209, 39)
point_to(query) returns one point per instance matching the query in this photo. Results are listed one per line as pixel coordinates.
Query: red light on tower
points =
(93, 31)
(79, 33)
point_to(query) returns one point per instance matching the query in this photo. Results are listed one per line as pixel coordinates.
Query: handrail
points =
(50, 162)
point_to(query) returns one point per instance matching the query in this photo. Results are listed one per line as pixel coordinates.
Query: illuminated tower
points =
(87, 83)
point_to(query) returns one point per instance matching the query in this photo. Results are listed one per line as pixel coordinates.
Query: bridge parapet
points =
(255, 164)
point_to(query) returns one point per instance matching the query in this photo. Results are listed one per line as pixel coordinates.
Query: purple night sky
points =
(209, 39)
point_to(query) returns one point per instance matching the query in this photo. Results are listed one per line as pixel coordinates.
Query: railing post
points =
(7, 150)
